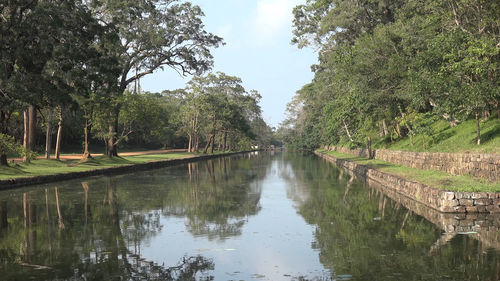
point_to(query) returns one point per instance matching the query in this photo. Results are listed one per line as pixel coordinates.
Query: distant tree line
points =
(392, 68)
(70, 70)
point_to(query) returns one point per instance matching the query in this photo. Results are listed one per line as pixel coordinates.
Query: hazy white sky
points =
(258, 50)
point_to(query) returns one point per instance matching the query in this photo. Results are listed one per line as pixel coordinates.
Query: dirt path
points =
(132, 153)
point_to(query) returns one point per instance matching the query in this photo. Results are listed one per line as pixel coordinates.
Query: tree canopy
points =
(382, 62)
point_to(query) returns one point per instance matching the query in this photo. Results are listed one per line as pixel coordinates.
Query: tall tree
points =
(153, 34)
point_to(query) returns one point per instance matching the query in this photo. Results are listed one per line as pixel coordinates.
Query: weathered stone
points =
(493, 209)
(451, 203)
(479, 195)
(466, 202)
(445, 201)
(482, 202)
(447, 209)
(448, 195)
(471, 209)
(481, 209)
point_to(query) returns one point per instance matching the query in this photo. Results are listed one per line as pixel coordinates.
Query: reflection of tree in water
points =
(361, 232)
(95, 230)
(74, 234)
(218, 196)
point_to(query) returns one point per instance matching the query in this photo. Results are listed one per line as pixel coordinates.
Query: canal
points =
(258, 216)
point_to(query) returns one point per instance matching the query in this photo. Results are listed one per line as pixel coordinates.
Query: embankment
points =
(441, 200)
(474, 164)
(19, 182)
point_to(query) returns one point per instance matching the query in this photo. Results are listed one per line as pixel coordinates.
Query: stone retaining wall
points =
(482, 226)
(474, 164)
(441, 200)
(18, 182)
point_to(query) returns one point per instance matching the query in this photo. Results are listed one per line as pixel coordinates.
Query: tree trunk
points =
(59, 133)
(386, 130)
(398, 130)
(347, 131)
(478, 128)
(369, 147)
(3, 159)
(197, 144)
(4, 121)
(224, 142)
(48, 135)
(190, 144)
(32, 127)
(26, 135)
(208, 144)
(86, 130)
(111, 143)
(212, 144)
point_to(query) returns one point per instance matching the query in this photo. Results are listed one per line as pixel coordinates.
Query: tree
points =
(44, 48)
(153, 34)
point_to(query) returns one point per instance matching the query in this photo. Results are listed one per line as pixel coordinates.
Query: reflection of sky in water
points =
(274, 244)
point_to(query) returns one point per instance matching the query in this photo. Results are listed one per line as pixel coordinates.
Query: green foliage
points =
(217, 106)
(393, 68)
(8, 145)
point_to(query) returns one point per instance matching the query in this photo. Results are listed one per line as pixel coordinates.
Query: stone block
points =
(493, 209)
(448, 195)
(479, 195)
(482, 202)
(471, 209)
(466, 202)
(449, 203)
(492, 195)
(481, 209)
(447, 209)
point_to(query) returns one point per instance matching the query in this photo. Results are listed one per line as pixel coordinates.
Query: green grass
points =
(461, 138)
(432, 178)
(49, 167)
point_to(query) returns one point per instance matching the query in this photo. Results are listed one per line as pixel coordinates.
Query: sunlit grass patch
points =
(49, 167)
(461, 138)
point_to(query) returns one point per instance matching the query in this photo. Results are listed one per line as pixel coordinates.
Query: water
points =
(260, 216)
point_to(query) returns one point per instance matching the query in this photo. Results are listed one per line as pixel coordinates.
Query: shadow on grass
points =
(491, 134)
(13, 169)
(99, 161)
(444, 135)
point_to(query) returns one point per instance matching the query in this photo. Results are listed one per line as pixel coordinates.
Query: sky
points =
(257, 34)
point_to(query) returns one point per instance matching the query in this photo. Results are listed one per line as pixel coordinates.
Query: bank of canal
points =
(257, 216)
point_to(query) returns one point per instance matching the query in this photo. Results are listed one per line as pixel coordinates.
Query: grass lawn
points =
(461, 138)
(49, 167)
(437, 179)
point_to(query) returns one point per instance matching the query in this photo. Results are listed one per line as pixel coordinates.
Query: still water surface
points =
(261, 216)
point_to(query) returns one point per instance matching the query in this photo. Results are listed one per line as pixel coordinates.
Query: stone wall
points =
(474, 164)
(441, 200)
(482, 226)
